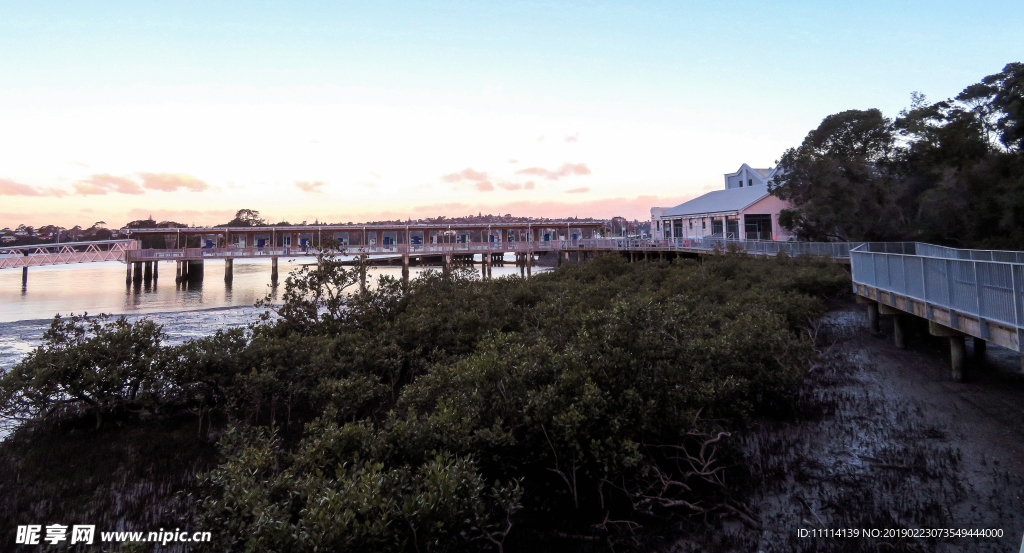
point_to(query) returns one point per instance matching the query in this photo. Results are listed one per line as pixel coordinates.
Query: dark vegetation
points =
(950, 172)
(590, 408)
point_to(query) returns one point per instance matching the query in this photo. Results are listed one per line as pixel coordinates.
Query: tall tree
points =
(840, 180)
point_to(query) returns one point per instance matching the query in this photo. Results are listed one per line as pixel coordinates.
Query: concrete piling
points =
(405, 269)
(957, 353)
(273, 270)
(899, 332)
(229, 270)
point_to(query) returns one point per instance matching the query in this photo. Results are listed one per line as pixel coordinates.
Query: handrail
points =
(990, 288)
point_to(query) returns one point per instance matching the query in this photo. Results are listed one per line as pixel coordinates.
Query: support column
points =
(362, 273)
(24, 276)
(899, 332)
(872, 307)
(979, 347)
(529, 268)
(137, 272)
(405, 269)
(229, 270)
(195, 271)
(177, 271)
(128, 269)
(957, 353)
(147, 274)
(490, 261)
(156, 270)
(273, 270)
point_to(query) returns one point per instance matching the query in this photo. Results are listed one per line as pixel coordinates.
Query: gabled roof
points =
(718, 201)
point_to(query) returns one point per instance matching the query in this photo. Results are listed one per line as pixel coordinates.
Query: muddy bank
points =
(887, 440)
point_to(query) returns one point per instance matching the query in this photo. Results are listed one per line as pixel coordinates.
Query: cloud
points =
(467, 174)
(314, 186)
(573, 138)
(565, 170)
(529, 185)
(580, 190)
(509, 185)
(484, 186)
(11, 188)
(99, 185)
(513, 161)
(171, 182)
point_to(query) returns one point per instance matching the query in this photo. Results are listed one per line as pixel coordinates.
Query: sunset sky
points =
(342, 112)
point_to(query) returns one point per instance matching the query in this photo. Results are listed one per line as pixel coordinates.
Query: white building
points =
(743, 210)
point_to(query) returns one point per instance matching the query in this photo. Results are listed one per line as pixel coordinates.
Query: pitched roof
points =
(730, 199)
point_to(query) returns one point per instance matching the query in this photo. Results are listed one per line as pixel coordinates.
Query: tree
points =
(88, 363)
(840, 180)
(246, 218)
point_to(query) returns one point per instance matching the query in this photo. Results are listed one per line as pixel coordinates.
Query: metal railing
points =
(985, 284)
(38, 255)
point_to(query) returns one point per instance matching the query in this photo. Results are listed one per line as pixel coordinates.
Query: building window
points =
(704, 224)
(691, 224)
(750, 182)
(741, 183)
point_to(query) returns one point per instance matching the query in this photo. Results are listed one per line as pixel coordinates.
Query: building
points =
(743, 210)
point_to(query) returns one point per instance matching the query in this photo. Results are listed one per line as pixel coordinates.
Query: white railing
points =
(39, 255)
(985, 284)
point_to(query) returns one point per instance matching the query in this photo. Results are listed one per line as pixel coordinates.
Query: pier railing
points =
(985, 285)
(38, 255)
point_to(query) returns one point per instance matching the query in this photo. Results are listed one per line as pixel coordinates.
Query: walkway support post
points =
(24, 276)
(147, 274)
(229, 270)
(128, 268)
(529, 266)
(980, 346)
(405, 270)
(137, 272)
(872, 309)
(156, 270)
(957, 350)
(898, 324)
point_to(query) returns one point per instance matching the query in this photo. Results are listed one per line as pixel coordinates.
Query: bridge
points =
(961, 293)
(38, 255)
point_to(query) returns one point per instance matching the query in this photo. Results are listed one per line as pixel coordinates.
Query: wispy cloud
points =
(484, 186)
(99, 185)
(529, 185)
(314, 186)
(573, 138)
(579, 190)
(467, 174)
(567, 169)
(509, 185)
(513, 161)
(11, 188)
(171, 182)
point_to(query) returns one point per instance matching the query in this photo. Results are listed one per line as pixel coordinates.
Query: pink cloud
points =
(314, 186)
(11, 188)
(567, 169)
(442, 208)
(513, 161)
(103, 183)
(467, 174)
(171, 182)
(484, 186)
(509, 185)
(580, 190)
(529, 185)
(573, 138)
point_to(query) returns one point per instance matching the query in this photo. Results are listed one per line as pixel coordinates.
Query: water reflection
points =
(100, 288)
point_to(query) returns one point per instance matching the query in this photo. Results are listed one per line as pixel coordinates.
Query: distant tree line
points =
(949, 172)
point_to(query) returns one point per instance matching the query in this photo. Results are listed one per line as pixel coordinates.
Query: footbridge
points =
(39, 255)
(961, 293)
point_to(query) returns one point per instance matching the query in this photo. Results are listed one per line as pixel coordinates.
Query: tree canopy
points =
(949, 172)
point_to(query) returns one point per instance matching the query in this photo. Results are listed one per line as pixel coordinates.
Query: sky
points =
(338, 111)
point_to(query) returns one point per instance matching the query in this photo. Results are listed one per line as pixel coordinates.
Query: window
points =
(741, 183)
(703, 224)
(750, 182)
(691, 224)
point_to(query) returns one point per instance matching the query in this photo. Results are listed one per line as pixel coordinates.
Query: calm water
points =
(185, 311)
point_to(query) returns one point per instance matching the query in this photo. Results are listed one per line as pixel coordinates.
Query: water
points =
(185, 311)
